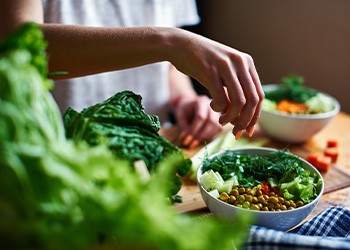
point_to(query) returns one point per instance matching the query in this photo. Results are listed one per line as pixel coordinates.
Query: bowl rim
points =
(328, 114)
(265, 149)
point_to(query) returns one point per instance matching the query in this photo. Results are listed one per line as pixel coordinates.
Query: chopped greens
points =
(279, 169)
(292, 89)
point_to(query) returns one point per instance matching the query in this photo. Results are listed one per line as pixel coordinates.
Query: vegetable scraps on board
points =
(57, 194)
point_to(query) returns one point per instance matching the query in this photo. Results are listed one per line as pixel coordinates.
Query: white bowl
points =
(294, 128)
(280, 220)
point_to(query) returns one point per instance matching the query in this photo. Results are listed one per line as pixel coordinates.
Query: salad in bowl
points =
(278, 188)
(294, 113)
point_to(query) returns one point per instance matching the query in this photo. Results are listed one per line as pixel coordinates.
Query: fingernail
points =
(187, 140)
(251, 131)
(194, 144)
(238, 134)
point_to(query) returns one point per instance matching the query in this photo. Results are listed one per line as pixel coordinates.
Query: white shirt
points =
(150, 81)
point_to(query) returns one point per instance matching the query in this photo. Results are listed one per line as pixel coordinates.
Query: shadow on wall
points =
(310, 38)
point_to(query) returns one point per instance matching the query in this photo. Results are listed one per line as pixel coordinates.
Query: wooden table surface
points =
(337, 179)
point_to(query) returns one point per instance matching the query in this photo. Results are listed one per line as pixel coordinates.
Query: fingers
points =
(199, 123)
(261, 96)
(245, 96)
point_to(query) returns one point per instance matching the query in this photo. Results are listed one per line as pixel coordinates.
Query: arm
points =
(228, 74)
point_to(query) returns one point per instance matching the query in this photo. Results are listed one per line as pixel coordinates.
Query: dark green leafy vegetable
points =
(292, 89)
(121, 123)
(283, 169)
(57, 194)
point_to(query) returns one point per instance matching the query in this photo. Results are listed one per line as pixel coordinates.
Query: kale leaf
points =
(121, 123)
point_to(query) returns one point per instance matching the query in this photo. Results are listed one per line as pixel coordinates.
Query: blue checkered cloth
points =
(328, 230)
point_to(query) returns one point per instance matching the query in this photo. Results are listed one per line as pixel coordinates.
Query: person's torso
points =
(150, 81)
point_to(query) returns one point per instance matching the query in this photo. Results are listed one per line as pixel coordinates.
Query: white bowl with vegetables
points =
(277, 188)
(293, 113)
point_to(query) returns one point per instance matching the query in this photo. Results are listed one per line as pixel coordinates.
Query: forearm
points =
(82, 50)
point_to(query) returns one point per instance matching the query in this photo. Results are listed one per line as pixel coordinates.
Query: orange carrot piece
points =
(332, 143)
(291, 107)
(323, 163)
(312, 158)
(332, 152)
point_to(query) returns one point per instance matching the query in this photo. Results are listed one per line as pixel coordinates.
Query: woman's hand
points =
(228, 74)
(195, 119)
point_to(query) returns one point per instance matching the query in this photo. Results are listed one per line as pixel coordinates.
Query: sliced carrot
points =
(265, 188)
(323, 163)
(291, 107)
(332, 143)
(312, 158)
(332, 152)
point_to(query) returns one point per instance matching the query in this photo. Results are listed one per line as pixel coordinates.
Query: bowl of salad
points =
(277, 188)
(294, 113)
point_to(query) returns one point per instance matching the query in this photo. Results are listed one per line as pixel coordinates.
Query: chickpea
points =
(241, 190)
(232, 199)
(273, 199)
(249, 198)
(260, 205)
(241, 198)
(255, 199)
(272, 194)
(270, 205)
(292, 204)
(246, 204)
(261, 199)
(254, 207)
(283, 207)
(234, 192)
(239, 205)
(265, 209)
(287, 203)
(281, 200)
(252, 191)
(224, 196)
(299, 204)
(258, 192)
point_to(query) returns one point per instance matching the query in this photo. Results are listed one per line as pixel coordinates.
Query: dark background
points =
(310, 38)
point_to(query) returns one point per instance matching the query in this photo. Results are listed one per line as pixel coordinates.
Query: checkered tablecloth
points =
(328, 230)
